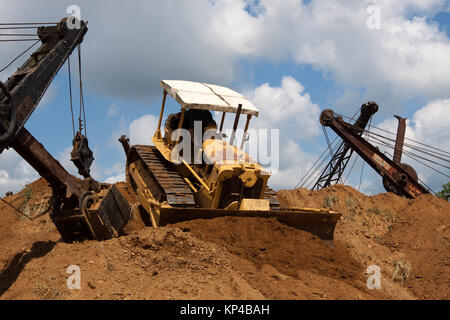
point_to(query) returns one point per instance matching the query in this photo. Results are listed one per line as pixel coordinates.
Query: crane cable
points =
(408, 154)
(26, 23)
(351, 168)
(427, 152)
(308, 176)
(327, 139)
(405, 151)
(82, 112)
(315, 167)
(316, 173)
(370, 136)
(19, 211)
(82, 108)
(415, 154)
(364, 162)
(70, 95)
(409, 139)
(354, 162)
(21, 54)
(21, 26)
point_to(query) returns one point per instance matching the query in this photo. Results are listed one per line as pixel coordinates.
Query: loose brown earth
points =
(235, 258)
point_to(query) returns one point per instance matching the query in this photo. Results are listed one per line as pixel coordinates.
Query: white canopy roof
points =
(197, 95)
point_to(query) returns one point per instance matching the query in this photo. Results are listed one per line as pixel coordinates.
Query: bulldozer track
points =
(176, 189)
(271, 195)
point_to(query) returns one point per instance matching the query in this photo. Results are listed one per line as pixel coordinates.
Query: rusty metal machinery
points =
(335, 168)
(82, 209)
(398, 178)
(81, 155)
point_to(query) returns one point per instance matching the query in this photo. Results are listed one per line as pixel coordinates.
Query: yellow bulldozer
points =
(188, 174)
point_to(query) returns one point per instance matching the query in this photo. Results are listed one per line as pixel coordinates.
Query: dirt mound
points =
(234, 258)
(407, 239)
(287, 253)
(163, 263)
(17, 231)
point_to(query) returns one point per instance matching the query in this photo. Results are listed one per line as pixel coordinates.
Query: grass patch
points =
(402, 271)
(25, 206)
(391, 217)
(351, 203)
(44, 292)
(330, 201)
(375, 210)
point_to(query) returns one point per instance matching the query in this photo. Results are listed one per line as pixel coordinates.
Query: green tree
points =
(445, 192)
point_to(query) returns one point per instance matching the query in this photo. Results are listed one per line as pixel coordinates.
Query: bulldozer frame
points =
(171, 190)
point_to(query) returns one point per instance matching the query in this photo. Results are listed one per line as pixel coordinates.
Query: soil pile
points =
(234, 258)
(408, 239)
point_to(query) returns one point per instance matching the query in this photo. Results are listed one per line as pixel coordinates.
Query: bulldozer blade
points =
(320, 223)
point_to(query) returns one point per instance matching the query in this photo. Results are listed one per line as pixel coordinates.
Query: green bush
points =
(445, 192)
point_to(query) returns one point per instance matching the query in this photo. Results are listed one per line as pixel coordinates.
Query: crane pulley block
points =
(81, 155)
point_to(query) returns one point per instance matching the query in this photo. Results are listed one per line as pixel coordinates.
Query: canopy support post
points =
(236, 122)
(249, 116)
(180, 124)
(222, 121)
(158, 129)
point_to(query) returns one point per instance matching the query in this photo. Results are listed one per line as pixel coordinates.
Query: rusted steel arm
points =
(400, 139)
(335, 168)
(372, 155)
(48, 167)
(82, 209)
(21, 93)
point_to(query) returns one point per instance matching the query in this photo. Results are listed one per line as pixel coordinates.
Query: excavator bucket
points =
(98, 216)
(318, 222)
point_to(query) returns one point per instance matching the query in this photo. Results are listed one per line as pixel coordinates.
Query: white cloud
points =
(117, 178)
(429, 125)
(202, 40)
(404, 59)
(370, 187)
(287, 108)
(15, 172)
(142, 129)
(290, 110)
(117, 131)
(294, 164)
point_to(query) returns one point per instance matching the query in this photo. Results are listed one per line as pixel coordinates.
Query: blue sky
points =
(256, 48)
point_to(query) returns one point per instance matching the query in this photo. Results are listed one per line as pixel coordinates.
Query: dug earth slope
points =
(234, 258)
